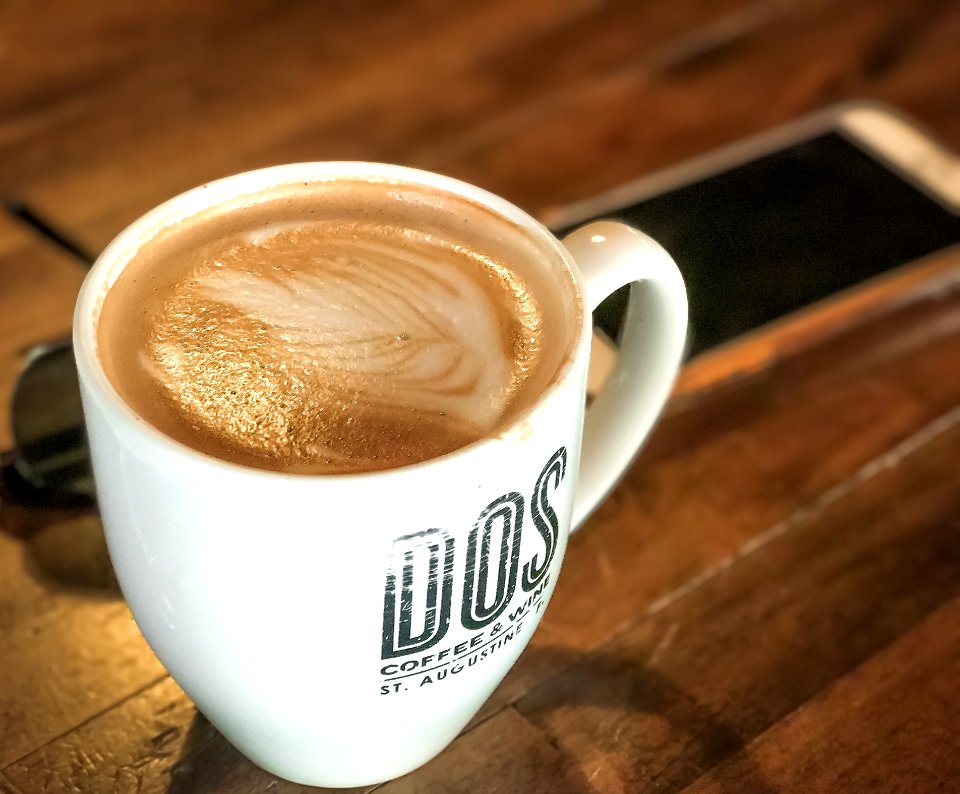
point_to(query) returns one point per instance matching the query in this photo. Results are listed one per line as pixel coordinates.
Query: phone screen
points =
(764, 238)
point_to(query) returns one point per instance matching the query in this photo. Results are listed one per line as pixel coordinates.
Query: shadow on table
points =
(209, 764)
(63, 548)
(698, 741)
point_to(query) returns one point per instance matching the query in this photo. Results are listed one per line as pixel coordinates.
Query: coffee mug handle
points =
(610, 255)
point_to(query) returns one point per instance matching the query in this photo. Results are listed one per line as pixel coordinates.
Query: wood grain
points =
(637, 87)
(152, 743)
(366, 68)
(67, 652)
(6, 787)
(662, 111)
(890, 725)
(44, 83)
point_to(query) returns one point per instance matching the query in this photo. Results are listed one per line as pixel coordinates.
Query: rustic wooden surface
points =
(771, 599)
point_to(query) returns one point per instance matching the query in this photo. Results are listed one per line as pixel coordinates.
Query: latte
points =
(343, 326)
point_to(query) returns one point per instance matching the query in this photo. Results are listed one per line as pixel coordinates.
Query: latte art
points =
(294, 345)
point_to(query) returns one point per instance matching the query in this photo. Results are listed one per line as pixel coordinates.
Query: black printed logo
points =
(493, 550)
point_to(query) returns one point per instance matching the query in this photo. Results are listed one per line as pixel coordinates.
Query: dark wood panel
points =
(525, 87)
(58, 52)
(795, 609)
(888, 726)
(267, 83)
(597, 135)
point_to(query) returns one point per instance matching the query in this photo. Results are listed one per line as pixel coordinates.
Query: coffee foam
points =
(346, 346)
(350, 326)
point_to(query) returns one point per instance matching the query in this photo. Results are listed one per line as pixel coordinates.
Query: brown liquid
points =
(339, 327)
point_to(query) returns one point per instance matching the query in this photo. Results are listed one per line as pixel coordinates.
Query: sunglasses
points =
(49, 464)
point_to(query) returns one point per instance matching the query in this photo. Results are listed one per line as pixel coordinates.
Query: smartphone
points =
(777, 222)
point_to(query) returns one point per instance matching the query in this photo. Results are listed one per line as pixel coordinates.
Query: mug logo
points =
(430, 596)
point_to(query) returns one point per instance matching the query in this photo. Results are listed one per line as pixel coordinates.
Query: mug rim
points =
(118, 254)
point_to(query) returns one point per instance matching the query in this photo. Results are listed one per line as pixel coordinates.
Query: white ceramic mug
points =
(340, 630)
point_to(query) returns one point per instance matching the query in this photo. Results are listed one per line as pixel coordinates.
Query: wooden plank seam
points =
(809, 512)
(115, 704)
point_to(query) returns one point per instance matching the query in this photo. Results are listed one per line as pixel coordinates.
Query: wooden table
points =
(771, 599)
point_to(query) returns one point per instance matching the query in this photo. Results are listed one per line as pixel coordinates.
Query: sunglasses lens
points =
(52, 455)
